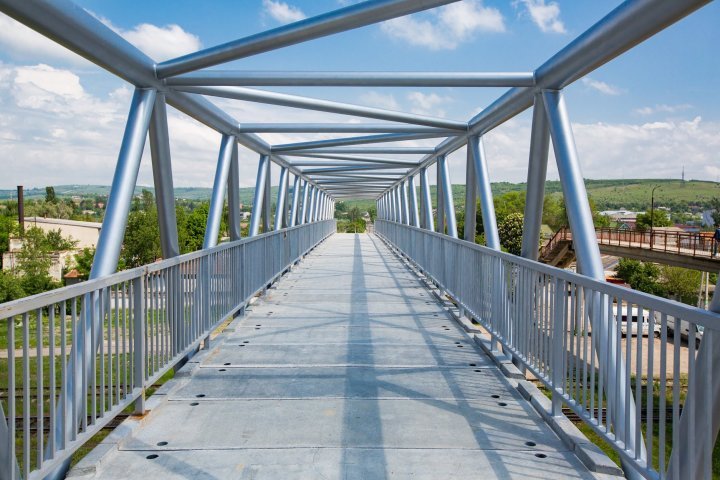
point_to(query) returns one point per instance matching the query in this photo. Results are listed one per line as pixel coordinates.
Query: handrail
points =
(144, 321)
(549, 320)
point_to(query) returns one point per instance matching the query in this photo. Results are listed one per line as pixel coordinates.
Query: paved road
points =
(348, 369)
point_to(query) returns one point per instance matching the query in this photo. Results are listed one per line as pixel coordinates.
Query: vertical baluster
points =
(692, 372)
(40, 399)
(650, 404)
(26, 395)
(51, 380)
(12, 414)
(662, 414)
(638, 380)
(676, 394)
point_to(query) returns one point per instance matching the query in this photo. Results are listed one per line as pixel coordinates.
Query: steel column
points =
(267, 203)
(258, 196)
(217, 201)
(305, 210)
(405, 205)
(537, 173)
(448, 197)
(426, 200)
(295, 201)
(282, 193)
(470, 197)
(414, 215)
(492, 239)
(107, 254)
(162, 179)
(440, 198)
(233, 194)
(588, 255)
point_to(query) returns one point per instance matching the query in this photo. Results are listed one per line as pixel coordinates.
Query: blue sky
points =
(646, 114)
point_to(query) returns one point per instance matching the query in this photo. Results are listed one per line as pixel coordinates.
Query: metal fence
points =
(73, 358)
(698, 244)
(585, 340)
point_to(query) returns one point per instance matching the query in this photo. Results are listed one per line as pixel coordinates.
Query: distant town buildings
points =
(85, 233)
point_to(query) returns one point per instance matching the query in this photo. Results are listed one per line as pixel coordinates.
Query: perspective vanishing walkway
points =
(348, 368)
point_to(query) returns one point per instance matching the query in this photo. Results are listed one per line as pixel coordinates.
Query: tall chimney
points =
(21, 210)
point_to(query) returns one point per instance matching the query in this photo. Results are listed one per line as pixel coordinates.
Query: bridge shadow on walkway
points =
(347, 369)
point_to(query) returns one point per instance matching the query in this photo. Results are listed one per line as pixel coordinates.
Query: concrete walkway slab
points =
(348, 368)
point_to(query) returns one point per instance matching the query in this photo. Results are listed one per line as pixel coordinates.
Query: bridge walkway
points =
(348, 368)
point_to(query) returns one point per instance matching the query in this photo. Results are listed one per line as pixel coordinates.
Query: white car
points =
(631, 324)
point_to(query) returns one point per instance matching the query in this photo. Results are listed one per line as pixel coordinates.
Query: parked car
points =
(684, 329)
(635, 325)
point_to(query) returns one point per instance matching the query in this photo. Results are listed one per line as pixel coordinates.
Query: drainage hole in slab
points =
(478, 371)
(540, 455)
(457, 343)
(162, 444)
(530, 444)
(199, 395)
(460, 346)
(495, 396)
(228, 363)
(435, 315)
(259, 325)
(257, 328)
(472, 364)
(502, 404)
(221, 370)
(246, 341)
(194, 404)
(241, 345)
(152, 456)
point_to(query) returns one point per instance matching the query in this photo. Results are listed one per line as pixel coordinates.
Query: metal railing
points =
(682, 243)
(140, 323)
(544, 317)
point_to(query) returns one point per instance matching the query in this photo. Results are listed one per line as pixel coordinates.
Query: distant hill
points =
(632, 194)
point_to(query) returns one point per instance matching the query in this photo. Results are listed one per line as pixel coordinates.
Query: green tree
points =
(141, 244)
(715, 206)
(640, 275)
(50, 195)
(57, 243)
(84, 261)
(34, 261)
(681, 283)
(10, 287)
(510, 232)
(660, 218)
(8, 228)
(195, 227)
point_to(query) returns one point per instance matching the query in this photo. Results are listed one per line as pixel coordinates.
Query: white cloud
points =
(22, 42)
(602, 87)
(545, 15)
(662, 108)
(447, 27)
(159, 43)
(283, 12)
(428, 103)
(379, 100)
(162, 43)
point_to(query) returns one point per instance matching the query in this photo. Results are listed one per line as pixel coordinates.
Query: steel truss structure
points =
(315, 174)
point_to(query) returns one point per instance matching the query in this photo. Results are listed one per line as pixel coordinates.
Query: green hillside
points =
(632, 194)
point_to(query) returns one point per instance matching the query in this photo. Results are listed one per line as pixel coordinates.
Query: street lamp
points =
(652, 213)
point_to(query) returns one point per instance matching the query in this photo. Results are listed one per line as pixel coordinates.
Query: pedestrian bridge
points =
(348, 367)
(405, 353)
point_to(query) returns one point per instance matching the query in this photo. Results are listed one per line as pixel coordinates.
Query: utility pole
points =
(652, 213)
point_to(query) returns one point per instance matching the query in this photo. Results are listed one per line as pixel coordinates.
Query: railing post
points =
(558, 344)
(440, 224)
(258, 197)
(139, 320)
